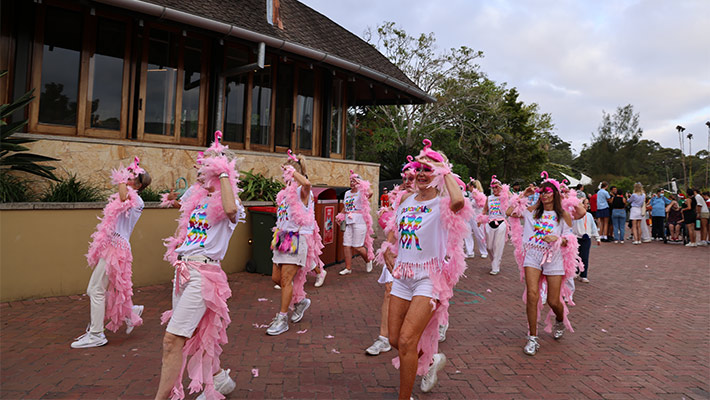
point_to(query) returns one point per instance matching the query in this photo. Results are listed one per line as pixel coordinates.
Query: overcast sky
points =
(574, 58)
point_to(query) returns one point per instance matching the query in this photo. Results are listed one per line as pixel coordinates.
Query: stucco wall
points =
(93, 159)
(42, 250)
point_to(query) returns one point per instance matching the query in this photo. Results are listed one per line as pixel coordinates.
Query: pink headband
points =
(428, 152)
(495, 181)
(556, 184)
(411, 165)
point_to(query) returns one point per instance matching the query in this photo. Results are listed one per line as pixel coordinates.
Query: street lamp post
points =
(680, 130)
(690, 159)
(707, 156)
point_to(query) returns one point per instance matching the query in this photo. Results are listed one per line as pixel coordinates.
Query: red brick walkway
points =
(641, 333)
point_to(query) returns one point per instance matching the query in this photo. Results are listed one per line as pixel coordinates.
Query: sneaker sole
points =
(276, 333)
(129, 328)
(88, 346)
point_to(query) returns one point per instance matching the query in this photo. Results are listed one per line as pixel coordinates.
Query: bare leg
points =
(288, 271)
(385, 310)
(362, 252)
(554, 283)
(348, 257)
(172, 362)
(532, 283)
(415, 321)
(276, 274)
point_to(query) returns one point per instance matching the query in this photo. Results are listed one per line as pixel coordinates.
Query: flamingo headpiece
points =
(135, 168)
(428, 152)
(290, 155)
(554, 182)
(495, 181)
(216, 148)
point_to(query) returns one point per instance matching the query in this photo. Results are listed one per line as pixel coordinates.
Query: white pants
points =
(645, 232)
(477, 234)
(97, 296)
(495, 240)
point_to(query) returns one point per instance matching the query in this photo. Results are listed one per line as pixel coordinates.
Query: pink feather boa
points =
(116, 251)
(302, 216)
(515, 230)
(363, 187)
(479, 198)
(205, 345)
(444, 280)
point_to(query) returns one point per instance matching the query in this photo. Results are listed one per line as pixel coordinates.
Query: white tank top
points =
(422, 239)
(495, 212)
(284, 217)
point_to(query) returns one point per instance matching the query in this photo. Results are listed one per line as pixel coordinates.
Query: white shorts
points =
(385, 276)
(354, 235)
(188, 306)
(533, 259)
(635, 213)
(298, 258)
(409, 287)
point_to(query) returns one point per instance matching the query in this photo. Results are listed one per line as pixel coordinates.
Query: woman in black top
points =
(618, 214)
(689, 217)
(675, 219)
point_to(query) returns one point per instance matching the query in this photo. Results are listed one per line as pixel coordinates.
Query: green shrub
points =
(148, 194)
(257, 187)
(14, 189)
(72, 190)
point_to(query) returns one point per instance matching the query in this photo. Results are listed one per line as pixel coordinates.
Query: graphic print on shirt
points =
(282, 213)
(543, 227)
(350, 204)
(409, 224)
(197, 226)
(494, 207)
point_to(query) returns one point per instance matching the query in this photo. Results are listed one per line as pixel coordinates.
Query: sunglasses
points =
(424, 169)
(545, 190)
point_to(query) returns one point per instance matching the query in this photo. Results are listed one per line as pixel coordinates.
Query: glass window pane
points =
(106, 75)
(261, 105)
(189, 117)
(160, 84)
(60, 67)
(306, 82)
(336, 117)
(284, 104)
(234, 96)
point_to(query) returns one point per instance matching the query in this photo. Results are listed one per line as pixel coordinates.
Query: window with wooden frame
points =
(173, 87)
(236, 100)
(80, 72)
(260, 130)
(337, 118)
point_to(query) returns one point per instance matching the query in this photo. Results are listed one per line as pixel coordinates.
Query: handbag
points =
(285, 242)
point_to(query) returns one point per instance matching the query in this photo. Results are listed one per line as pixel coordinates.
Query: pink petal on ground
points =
(604, 330)
(329, 337)
(263, 299)
(255, 372)
(646, 266)
(303, 331)
(335, 351)
(649, 329)
(488, 290)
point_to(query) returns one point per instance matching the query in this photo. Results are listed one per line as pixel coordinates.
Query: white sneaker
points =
(531, 346)
(558, 329)
(442, 332)
(646, 241)
(277, 287)
(320, 278)
(430, 379)
(585, 280)
(88, 340)
(278, 326)
(129, 324)
(368, 266)
(381, 345)
(494, 272)
(299, 309)
(345, 271)
(471, 255)
(223, 383)
(484, 255)
(691, 244)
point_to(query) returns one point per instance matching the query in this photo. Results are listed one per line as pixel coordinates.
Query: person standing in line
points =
(675, 219)
(658, 203)
(585, 229)
(110, 289)
(494, 216)
(638, 204)
(358, 220)
(296, 243)
(618, 214)
(703, 213)
(426, 259)
(198, 320)
(689, 216)
(603, 212)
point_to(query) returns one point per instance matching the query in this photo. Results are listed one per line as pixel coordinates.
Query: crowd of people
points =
(433, 221)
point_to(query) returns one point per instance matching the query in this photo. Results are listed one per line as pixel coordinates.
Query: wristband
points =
(223, 175)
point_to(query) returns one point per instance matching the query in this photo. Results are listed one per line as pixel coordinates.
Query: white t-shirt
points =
(422, 240)
(126, 221)
(701, 203)
(495, 213)
(205, 238)
(535, 230)
(284, 219)
(352, 208)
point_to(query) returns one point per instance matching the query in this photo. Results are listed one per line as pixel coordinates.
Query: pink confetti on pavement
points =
(303, 331)
(604, 330)
(263, 299)
(329, 337)
(335, 351)
(649, 329)
(488, 290)
(257, 326)
(255, 372)
(646, 266)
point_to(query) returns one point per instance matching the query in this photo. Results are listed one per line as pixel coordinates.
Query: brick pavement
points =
(641, 333)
